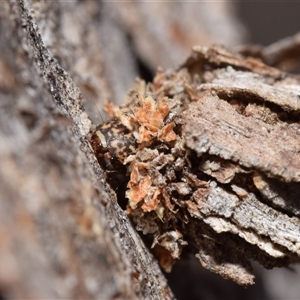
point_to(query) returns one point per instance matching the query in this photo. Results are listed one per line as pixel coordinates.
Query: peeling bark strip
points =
(216, 164)
(252, 85)
(224, 211)
(213, 126)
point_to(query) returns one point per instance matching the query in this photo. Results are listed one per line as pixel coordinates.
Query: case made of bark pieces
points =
(215, 168)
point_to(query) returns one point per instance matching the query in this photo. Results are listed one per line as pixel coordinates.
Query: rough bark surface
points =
(63, 235)
(212, 138)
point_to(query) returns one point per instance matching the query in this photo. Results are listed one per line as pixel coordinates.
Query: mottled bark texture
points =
(62, 233)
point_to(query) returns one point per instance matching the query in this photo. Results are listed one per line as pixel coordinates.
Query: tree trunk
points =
(63, 234)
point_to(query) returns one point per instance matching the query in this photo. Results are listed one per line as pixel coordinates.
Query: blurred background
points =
(268, 21)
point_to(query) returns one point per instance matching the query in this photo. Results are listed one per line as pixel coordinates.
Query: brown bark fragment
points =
(215, 254)
(218, 56)
(247, 216)
(252, 85)
(213, 126)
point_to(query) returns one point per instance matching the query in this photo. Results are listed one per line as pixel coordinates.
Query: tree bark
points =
(63, 234)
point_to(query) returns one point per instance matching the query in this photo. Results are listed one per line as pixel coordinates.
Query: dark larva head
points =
(112, 141)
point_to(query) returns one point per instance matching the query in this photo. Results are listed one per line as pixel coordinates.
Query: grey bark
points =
(62, 233)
